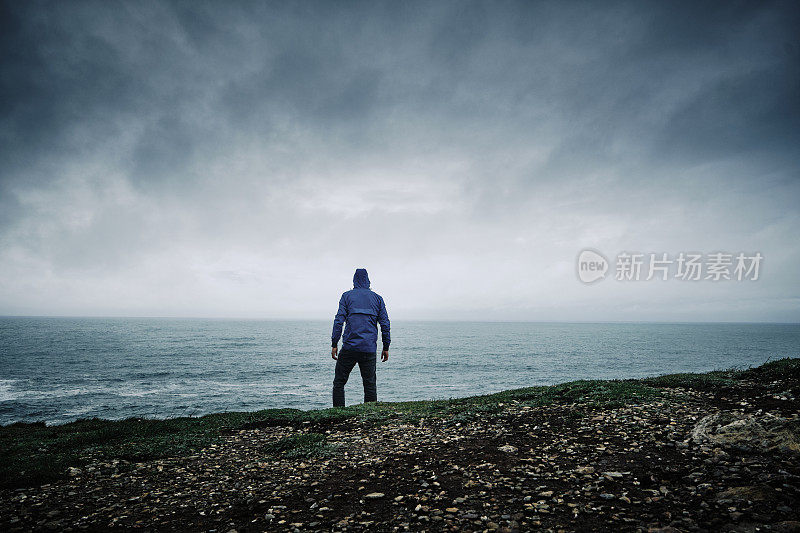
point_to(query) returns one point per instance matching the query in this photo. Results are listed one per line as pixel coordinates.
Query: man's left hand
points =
(334, 352)
(384, 355)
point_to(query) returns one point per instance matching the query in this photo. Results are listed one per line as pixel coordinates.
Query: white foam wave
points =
(78, 411)
(136, 393)
(7, 393)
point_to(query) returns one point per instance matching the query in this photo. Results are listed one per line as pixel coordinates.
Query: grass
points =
(301, 446)
(705, 382)
(35, 453)
(786, 368)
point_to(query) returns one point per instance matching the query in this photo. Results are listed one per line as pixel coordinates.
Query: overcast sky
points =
(236, 159)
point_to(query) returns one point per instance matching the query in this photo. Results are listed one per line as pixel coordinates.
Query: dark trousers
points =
(366, 363)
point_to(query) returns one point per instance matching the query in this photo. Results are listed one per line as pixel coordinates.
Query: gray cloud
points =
(185, 158)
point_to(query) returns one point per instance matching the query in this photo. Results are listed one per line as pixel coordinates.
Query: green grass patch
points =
(786, 368)
(597, 393)
(302, 446)
(35, 453)
(704, 382)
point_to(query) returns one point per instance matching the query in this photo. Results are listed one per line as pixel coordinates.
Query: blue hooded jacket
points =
(363, 310)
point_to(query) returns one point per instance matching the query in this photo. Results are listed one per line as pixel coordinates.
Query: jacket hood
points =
(361, 279)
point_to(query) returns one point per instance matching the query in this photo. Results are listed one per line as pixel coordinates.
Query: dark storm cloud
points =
(99, 64)
(766, 116)
(159, 133)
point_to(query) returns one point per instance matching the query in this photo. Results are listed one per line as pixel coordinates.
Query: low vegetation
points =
(300, 446)
(36, 453)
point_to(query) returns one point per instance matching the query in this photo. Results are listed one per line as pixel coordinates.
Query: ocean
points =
(61, 369)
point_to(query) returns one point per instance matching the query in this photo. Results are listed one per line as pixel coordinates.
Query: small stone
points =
(374, 495)
(508, 448)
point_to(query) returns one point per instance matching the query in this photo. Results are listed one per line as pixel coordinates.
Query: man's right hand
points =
(334, 352)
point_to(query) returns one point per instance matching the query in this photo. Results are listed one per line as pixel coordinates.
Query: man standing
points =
(362, 310)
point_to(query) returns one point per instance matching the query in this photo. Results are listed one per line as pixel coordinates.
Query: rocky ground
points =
(711, 458)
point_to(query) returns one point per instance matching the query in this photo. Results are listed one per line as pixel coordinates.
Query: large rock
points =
(759, 432)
